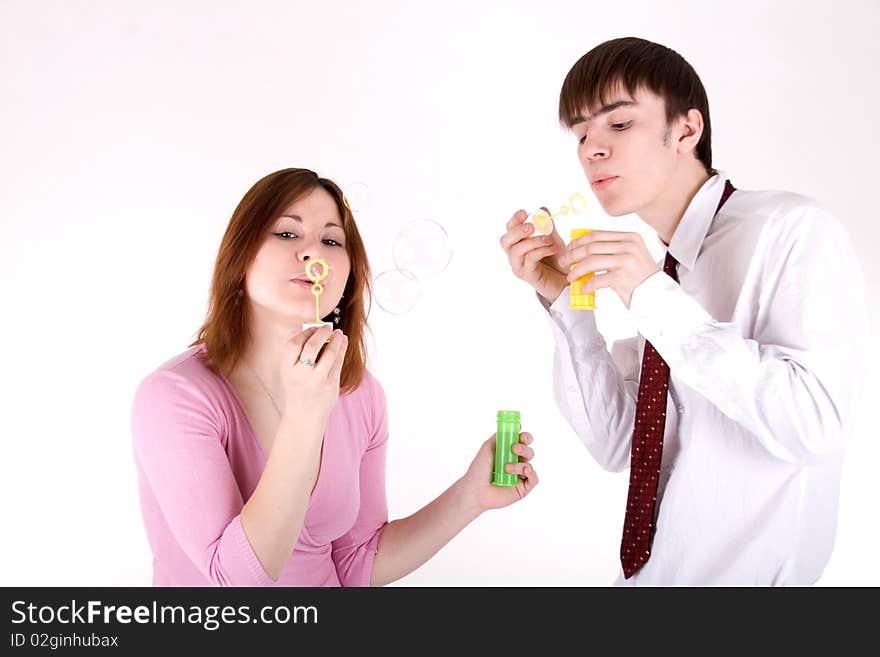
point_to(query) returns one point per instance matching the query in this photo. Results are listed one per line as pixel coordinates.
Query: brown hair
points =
(226, 330)
(634, 63)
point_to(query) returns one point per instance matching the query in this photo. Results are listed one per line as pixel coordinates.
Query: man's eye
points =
(582, 139)
(621, 126)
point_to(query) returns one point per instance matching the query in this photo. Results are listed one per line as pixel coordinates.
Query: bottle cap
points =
(583, 301)
(508, 416)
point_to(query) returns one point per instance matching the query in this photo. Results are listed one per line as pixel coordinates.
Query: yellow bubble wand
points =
(316, 271)
(543, 220)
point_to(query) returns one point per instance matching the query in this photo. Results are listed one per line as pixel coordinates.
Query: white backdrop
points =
(130, 130)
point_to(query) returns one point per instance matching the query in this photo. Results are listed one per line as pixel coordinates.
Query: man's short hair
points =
(634, 63)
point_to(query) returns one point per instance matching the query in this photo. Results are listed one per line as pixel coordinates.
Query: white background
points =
(130, 130)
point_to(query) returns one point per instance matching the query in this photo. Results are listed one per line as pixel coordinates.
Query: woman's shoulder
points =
(185, 374)
(367, 401)
(368, 392)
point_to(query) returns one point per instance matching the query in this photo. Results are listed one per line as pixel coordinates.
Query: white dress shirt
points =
(764, 336)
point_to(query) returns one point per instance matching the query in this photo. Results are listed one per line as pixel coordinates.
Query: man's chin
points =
(616, 209)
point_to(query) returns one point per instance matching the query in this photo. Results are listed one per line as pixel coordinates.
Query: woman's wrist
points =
(303, 424)
(466, 501)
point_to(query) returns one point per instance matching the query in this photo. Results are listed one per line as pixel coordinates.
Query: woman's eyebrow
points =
(296, 217)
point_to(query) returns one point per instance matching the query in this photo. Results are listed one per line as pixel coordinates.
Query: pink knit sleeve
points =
(176, 430)
(354, 552)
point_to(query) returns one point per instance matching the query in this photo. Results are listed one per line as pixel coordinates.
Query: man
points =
(752, 327)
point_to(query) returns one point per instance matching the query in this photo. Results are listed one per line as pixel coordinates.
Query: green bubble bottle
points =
(506, 436)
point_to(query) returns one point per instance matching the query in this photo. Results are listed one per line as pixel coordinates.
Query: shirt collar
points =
(694, 225)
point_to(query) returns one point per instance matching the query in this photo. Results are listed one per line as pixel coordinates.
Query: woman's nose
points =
(306, 252)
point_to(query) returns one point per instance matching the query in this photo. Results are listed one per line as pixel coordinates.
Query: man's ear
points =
(691, 131)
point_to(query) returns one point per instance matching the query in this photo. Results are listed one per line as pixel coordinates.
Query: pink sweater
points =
(198, 460)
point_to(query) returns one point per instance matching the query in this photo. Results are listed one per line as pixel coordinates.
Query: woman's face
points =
(276, 281)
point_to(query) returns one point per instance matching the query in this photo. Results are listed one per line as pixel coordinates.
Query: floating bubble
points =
(422, 248)
(396, 291)
(356, 196)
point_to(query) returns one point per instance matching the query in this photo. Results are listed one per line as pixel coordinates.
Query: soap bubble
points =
(356, 196)
(396, 291)
(422, 248)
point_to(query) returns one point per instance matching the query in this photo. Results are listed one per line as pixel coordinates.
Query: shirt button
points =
(680, 409)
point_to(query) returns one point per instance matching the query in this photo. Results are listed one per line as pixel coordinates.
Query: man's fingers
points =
(518, 217)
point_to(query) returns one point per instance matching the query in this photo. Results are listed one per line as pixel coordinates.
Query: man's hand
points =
(535, 259)
(623, 257)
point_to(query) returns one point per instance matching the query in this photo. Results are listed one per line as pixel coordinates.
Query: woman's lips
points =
(301, 283)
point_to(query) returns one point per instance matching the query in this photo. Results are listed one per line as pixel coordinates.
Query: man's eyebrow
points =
(296, 217)
(605, 110)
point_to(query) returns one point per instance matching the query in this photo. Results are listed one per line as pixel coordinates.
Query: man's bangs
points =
(590, 93)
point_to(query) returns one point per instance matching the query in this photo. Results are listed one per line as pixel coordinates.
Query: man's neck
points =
(665, 212)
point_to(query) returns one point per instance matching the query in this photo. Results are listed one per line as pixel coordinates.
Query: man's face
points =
(627, 150)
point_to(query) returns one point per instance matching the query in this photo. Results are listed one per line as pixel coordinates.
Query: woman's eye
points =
(287, 235)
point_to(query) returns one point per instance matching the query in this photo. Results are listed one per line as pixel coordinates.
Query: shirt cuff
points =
(664, 314)
(370, 551)
(251, 573)
(578, 327)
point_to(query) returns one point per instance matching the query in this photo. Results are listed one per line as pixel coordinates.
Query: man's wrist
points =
(551, 292)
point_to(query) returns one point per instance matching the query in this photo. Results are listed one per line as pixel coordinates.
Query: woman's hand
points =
(310, 380)
(477, 486)
(407, 543)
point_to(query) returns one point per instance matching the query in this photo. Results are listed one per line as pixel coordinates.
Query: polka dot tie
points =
(647, 446)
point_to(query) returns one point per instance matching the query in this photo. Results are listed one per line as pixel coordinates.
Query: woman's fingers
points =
(312, 347)
(525, 453)
(336, 351)
(526, 473)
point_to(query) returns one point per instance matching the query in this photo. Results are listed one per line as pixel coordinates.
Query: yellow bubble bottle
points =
(579, 300)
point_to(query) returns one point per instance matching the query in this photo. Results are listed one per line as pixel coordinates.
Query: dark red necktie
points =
(647, 446)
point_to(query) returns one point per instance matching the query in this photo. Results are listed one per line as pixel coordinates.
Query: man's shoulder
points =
(771, 203)
(777, 211)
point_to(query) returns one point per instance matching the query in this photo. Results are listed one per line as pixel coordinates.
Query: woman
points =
(261, 450)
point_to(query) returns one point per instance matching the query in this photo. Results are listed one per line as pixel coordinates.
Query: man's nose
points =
(596, 151)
